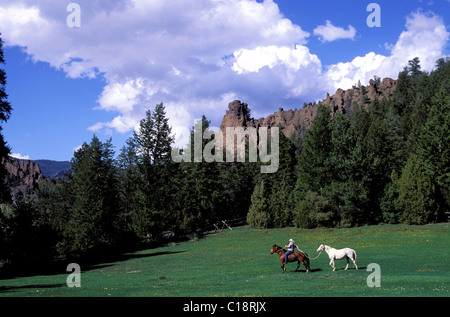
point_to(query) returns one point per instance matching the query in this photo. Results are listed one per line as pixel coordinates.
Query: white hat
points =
(290, 240)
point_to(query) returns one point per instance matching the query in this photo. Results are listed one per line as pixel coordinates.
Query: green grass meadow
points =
(414, 261)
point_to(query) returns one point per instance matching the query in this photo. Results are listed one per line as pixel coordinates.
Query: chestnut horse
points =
(295, 256)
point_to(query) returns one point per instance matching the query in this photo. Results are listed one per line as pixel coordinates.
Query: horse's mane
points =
(276, 245)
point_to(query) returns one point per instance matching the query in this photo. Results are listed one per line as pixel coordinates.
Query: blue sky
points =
(196, 56)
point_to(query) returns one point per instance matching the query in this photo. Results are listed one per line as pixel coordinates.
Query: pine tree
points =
(313, 169)
(201, 195)
(434, 145)
(258, 215)
(281, 185)
(5, 106)
(5, 113)
(314, 211)
(129, 180)
(154, 141)
(416, 190)
(280, 204)
(93, 220)
(163, 137)
(154, 137)
(238, 182)
(347, 187)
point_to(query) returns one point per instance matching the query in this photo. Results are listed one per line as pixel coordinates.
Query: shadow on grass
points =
(304, 270)
(360, 268)
(86, 264)
(9, 289)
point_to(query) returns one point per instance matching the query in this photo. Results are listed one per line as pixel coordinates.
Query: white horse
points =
(334, 254)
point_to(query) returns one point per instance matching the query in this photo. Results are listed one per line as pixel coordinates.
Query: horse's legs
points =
(354, 262)
(308, 268)
(332, 265)
(298, 265)
(348, 262)
(305, 262)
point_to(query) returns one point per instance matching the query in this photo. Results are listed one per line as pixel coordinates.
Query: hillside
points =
(53, 169)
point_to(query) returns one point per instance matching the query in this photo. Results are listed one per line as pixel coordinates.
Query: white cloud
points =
(425, 37)
(77, 148)
(329, 32)
(252, 60)
(197, 56)
(19, 156)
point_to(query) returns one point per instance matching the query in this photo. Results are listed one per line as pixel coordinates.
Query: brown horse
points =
(295, 256)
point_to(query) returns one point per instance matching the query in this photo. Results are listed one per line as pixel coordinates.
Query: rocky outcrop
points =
(23, 176)
(343, 100)
(291, 121)
(294, 122)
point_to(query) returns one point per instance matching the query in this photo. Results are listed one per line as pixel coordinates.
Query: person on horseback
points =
(290, 250)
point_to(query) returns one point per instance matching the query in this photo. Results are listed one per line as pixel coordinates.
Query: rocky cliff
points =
(22, 176)
(298, 121)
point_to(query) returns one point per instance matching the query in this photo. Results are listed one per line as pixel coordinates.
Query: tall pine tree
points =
(93, 222)
(154, 140)
(201, 193)
(5, 113)
(434, 146)
(314, 170)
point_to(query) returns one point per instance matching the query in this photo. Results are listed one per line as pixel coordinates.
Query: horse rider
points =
(290, 250)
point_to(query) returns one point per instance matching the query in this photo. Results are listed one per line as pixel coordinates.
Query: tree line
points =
(386, 161)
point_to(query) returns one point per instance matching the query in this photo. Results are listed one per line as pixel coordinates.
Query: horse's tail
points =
(306, 259)
(355, 254)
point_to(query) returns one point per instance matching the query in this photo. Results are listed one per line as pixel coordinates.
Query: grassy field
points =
(414, 261)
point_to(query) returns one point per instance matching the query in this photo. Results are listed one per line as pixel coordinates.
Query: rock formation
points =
(294, 122)
(23, 176)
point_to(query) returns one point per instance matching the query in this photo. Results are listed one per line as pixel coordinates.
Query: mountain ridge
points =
(294, 122)
(52, 168)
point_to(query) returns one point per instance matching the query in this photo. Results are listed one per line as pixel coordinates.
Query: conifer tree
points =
(416, 190)
(314, 171)
(154, 141)
(5, 113)
(201, 195)
(314, 211)
(129, 180)
(347, 187)
(258, 214)
(93, 219)
(281, 184)
(434, 146)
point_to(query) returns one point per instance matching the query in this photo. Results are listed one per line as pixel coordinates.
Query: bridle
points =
(279, 250)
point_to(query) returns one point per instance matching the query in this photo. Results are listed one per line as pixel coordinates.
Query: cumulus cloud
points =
(254, 59)
(329, 32)
(19, 156)
(197, 56)
(151, 51)
(425, 37)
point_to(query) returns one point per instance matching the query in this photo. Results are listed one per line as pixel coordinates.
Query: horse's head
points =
(275, 248)
(321, 248)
